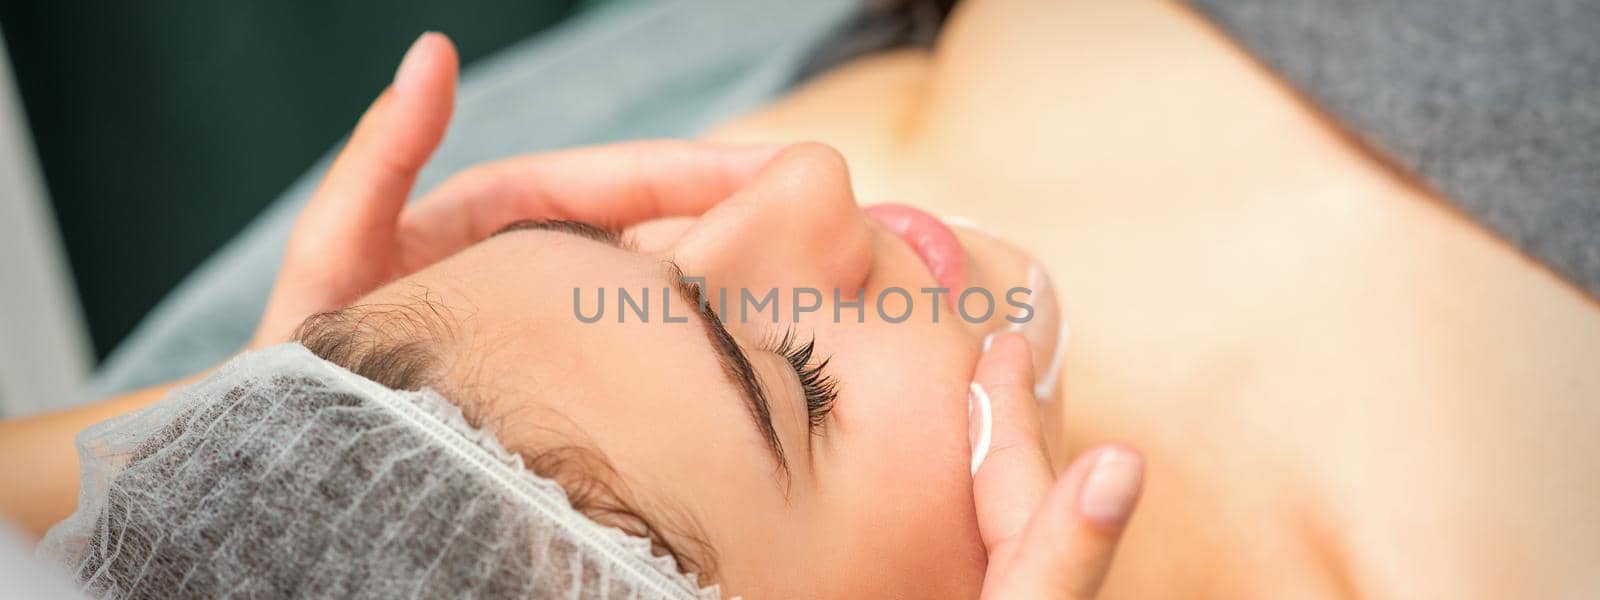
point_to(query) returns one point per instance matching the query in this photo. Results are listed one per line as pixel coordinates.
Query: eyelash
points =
(820, 389)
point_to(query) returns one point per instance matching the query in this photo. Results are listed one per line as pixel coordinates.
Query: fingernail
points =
(410, 69)
(988, 341)
(980, 424)
(1112, 487)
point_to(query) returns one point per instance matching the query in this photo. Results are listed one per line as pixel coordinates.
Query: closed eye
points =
(820, 389)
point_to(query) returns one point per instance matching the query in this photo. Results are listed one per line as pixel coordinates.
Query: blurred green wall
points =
(164, 126)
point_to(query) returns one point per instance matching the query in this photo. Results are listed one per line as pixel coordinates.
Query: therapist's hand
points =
(357, 233)
(1047, 537)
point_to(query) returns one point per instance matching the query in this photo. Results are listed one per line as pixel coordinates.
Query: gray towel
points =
(1494, 104)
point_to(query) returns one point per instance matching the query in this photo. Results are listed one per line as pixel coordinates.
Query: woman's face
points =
(704, 423)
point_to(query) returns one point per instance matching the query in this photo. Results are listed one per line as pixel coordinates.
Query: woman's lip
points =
(933, 241)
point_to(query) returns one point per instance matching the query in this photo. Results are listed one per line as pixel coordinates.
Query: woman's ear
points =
(343, 244)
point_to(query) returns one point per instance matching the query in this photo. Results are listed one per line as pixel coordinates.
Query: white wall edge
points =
(44, 346)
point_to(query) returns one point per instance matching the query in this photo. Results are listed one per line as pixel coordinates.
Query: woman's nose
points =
(796, 225)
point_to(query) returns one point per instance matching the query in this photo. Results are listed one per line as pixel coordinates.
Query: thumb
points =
(1066, 548)
(343, 243)
(368, 183)
(1046, 539)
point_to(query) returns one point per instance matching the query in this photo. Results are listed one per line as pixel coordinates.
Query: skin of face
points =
(875, 502)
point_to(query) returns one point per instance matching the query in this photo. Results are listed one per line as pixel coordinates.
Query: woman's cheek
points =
(915, 527)
(917, 450)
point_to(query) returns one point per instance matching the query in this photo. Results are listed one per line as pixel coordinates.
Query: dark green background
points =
(163, 127)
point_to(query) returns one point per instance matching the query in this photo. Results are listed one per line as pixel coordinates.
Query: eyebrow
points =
(731, 357)
(603, 235)
(735, 364)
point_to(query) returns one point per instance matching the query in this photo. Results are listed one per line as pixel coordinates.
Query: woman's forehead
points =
(648, 393)
(588, 328)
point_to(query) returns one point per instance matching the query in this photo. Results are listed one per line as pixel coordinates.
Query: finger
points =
(1067, 547)
(615, 185)
(1015, 475)
(352, 216)
(342, 243)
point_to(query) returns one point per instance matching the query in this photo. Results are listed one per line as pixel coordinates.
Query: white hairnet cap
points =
(285, 475)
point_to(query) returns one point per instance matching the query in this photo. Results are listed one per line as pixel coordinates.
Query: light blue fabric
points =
(623, 71)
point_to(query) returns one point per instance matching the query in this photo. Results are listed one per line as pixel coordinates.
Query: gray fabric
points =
(282, 475)
(1495, 104)
(630, 70)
